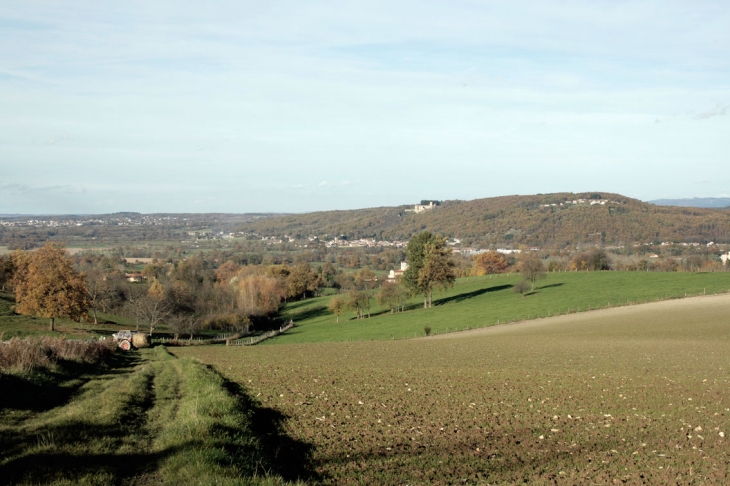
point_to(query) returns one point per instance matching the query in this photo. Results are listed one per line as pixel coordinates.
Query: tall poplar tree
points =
(429, 265)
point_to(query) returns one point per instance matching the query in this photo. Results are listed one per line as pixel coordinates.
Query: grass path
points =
(153, 418)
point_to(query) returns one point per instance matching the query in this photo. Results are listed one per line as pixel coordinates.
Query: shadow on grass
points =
(46, 389)
(311, 313)
(470, 295)
(67, 451)
(59, 451)
(538, 289)
(290, 306)
(551, 285)
(282, 455)
(51, 464)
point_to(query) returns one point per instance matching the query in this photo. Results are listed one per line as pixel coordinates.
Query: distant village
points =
(110, 220)
(575, 202)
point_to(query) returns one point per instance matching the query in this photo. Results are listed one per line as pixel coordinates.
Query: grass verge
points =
(150, 418)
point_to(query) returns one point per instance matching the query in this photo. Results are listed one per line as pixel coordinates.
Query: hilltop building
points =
(419, 208)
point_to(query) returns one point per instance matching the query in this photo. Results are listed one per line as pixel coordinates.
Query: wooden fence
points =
(167, 340)
(251, 341)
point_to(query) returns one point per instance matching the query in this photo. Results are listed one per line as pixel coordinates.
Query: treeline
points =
(194, 293)
(597, 259)
(186, 294)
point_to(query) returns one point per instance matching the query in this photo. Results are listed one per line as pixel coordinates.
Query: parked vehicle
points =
(124, 339)
(128, 340)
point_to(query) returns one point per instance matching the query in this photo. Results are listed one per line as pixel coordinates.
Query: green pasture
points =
(483, 301)
(15, 325)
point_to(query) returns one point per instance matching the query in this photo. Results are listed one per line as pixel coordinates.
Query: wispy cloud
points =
(718, 110)
(385, 94)
(16, 188)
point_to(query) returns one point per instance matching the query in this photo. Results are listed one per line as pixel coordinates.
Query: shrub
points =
(23, 355)
(521, 287)
(427, 330)
(229, 322)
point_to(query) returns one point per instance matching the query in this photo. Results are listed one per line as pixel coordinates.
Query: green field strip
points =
(483, 301)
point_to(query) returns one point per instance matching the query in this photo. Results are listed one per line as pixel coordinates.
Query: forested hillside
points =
(545, 220)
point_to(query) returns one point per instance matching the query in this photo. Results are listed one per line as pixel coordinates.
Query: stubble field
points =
(635, 395)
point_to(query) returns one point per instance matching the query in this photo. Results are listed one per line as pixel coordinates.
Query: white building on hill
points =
(419, 208)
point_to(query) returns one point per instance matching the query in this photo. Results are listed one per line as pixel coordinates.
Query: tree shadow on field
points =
(67, 450)
(311, 313)
(62, 455)
(282, 455)
(470, 295)
(43, 390)
(298, 304)
(538, 289)
(550, 286)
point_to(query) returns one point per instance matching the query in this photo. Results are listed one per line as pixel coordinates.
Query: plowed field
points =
(637, 395)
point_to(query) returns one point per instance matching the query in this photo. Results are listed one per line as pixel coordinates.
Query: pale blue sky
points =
(300, 106)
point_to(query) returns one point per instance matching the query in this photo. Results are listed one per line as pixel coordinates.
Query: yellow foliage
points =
(46, 284)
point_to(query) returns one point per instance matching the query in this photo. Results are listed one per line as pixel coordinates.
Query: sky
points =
(291, 106)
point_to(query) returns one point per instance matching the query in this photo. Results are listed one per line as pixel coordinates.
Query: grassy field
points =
(14, 325)
(146, 419)
(484, 301)
(631, 395)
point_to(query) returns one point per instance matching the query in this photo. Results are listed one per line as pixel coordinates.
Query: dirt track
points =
(672, 305)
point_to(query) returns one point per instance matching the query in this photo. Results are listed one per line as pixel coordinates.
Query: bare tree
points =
(183, 324)
(532, 269)
(153, 311)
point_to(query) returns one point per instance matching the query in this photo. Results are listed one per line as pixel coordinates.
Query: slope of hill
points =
(546, 220)
(695, 202)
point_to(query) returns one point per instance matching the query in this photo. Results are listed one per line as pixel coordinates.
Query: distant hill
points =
(695, 202)
(546, 220)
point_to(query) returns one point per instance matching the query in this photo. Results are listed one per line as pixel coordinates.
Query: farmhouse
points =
(394, 274)
(134, 277)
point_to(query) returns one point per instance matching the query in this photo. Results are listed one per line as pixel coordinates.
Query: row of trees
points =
(186, 295)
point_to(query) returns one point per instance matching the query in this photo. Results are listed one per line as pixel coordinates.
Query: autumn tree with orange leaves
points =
(488, 263)
(46, 285)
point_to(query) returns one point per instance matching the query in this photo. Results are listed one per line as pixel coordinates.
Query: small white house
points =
(394, 274)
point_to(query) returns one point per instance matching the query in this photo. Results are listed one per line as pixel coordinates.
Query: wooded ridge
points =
(544, 220)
